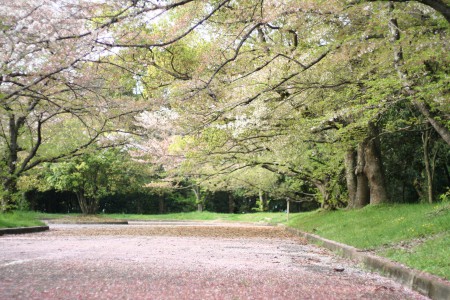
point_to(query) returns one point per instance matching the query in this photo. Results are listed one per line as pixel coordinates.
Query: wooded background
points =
(231, 106)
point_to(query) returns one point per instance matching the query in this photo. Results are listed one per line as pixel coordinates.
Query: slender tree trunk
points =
(373, 167)
(362, 184)
(440, 128)
(263, 200)
(418, 188)
(350, 176)
(426, 159)
(198, 200)
(82, 202)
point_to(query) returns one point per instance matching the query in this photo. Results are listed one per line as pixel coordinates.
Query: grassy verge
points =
(19, 219)
(208, 216)
(416, 235)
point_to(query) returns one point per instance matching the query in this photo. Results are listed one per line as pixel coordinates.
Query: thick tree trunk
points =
(7, 197)
(322, 186)
(362, 195)
(88, 206)
(162, 206)
(350, 176)
(12, 154)
(373, 168)
(92, 207)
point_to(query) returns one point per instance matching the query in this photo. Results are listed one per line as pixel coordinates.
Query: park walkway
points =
(180, 260)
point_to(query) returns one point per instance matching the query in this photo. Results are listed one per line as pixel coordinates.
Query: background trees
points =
(52, 86)
(299, 103)
(93, 176)
(308, 100)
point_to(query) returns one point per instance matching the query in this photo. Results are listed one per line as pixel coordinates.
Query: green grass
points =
(416, 235)
(207, 216)
(19, 219)
(432, 256)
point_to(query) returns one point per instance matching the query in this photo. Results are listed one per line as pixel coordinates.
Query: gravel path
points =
(179, 261)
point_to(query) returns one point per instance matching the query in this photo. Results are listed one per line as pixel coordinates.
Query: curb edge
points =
(21, 230)
(427, 284)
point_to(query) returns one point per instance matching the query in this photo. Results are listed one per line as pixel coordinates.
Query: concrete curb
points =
(429, 285)
(20, 230)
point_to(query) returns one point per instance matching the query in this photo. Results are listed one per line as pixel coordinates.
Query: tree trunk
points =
(88, 206)
(362, 195)
(350, 176)
(322, 186)
(426, 159)
(231, 204)
(441, 129)
(438, 5)
(92, 206)
(82, 202)
(7, 197)
(10, 179)
(418, 188)
(162, 208)
(373, 167)
(263, 200)
(198, 200)
(370, 183)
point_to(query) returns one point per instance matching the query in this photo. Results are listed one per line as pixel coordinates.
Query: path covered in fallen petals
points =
(180, 261)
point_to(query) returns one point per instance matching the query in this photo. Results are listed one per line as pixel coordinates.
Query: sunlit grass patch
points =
(433, 255)
(208, 216)
(19, 219)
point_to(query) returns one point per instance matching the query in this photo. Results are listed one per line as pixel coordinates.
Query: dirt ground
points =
(183, 260)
